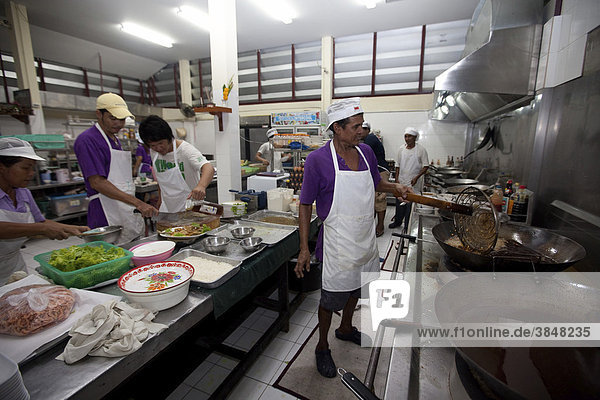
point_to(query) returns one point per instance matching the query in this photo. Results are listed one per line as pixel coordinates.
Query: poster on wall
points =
(295, 118)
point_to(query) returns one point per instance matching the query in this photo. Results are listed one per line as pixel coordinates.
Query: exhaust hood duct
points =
(498, 70)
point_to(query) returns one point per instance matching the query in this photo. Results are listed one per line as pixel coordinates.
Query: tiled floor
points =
(258, 381)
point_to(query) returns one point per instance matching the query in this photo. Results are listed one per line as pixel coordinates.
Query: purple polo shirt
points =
(23, 197)
(319, 181)
(93, 156)
(146, 160)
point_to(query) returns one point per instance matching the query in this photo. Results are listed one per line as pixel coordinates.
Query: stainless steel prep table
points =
(94, 377)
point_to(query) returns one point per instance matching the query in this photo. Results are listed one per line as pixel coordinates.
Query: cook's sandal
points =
(355, 337)
(325, 364)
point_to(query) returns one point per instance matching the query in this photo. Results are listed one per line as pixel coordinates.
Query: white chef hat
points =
(367, 125)
(271, 132)
(411, 131)
(15, 147)
(344, 108)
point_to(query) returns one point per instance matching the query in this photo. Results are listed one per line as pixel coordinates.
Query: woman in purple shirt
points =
(342, 178)
(20, 216)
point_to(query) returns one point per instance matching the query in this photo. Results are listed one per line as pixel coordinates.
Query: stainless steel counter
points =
(93, 377)
(421, 372)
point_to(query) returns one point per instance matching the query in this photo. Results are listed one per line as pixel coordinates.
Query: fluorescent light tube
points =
(369, 3)
(146, 34)
(277, 9)
(195, 16)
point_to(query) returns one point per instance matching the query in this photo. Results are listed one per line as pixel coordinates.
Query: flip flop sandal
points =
(325, 364)
(355, 337)
(379, 234)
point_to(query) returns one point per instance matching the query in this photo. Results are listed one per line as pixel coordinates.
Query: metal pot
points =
(566, 372)
(460, 181)
(562, 250)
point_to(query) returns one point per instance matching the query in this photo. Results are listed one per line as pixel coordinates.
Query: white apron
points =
(274, 159)
(409, 168)
(12, 260)
(349, 245)
(174, 191)
(118, 212)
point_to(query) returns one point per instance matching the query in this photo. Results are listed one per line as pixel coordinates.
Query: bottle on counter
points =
(448, 161)
(508, 190)
(452, 161)
(521, 201)
(496, 197)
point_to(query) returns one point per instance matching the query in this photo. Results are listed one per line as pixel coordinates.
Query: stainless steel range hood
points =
(498, 70)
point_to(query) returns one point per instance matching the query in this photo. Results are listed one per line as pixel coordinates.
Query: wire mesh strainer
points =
(477, 232)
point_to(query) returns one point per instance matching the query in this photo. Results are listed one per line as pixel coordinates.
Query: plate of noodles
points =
(190, 231)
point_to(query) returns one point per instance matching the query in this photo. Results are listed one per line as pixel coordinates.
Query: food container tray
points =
(69, 204)
(185, 253)
(88, 276)
(233, 251)
(270, 217)
(270, 233)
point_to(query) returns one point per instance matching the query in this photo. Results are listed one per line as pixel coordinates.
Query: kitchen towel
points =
(113, 329)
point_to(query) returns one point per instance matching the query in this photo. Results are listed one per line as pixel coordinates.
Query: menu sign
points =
(295, 118)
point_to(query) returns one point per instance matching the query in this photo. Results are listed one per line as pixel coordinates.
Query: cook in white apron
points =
(118, 212)
(12, 260)
(409, 168)
(174, 191)
(349, 245)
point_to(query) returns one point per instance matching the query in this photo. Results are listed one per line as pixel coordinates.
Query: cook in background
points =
(20, 217)
(106, 169)
(382, 166)
(411, 165)
(143, 162)
(268, 156)
(183, 173)
(342, 178)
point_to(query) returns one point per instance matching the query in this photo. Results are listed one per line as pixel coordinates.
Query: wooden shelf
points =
(215, 110)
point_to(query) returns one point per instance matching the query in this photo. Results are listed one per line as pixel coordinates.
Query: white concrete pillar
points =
(224, 65)
(24, 63)
(326, 72)
(185, 82)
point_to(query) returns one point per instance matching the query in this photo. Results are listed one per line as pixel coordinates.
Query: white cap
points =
(271, 132)
(366, 125)
(342, 109)
(411, 131)
(14, 147)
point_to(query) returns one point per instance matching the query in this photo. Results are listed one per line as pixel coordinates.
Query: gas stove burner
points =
(474, 387)
(447, 264)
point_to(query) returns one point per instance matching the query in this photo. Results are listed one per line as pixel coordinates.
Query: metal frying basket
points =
(477, 232)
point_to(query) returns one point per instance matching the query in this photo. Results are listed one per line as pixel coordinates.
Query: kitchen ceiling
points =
(62, 30)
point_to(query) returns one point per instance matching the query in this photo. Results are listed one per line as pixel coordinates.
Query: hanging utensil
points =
(479, 230)
(488, 135)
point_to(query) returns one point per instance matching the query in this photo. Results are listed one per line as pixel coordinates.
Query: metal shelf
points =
(55, 185)
(68, 216)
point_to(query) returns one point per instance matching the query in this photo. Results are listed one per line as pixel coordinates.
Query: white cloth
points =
(113, 329)
(118, 212)
(410, 162)
(174, 190)
(349, 245)
(190, 161)
(274, 157)
(12, 260)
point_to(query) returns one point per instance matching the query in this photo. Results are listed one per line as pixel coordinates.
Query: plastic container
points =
(279, 199)
(70, 204)
(152, 252)
(88, 276)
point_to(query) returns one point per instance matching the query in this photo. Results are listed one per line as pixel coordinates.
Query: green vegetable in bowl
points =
(77, 257)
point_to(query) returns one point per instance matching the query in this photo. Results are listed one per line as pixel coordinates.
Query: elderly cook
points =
(181, 170)
(107, 171)
(342, 178)
(20, 216)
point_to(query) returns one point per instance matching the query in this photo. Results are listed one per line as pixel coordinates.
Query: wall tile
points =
(574, 59)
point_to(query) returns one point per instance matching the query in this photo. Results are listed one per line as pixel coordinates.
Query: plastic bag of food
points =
(30, 309)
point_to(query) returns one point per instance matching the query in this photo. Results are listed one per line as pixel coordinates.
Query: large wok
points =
(563, 251)
(525, 372)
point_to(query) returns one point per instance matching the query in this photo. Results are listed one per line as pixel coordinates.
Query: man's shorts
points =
(381, 198)
(335, 301)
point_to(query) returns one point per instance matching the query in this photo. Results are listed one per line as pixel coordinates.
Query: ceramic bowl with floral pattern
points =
(157, 286)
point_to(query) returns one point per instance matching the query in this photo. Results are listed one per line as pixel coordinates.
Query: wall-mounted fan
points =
(187, 110)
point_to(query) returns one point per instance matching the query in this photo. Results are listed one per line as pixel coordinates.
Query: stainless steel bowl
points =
(215, 244)
(109, 234)
(251, 243)
(242, 232)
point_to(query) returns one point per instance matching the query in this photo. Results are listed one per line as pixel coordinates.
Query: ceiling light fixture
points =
(146, 34)
(369, 3)
(195, 16)
(277, 9)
